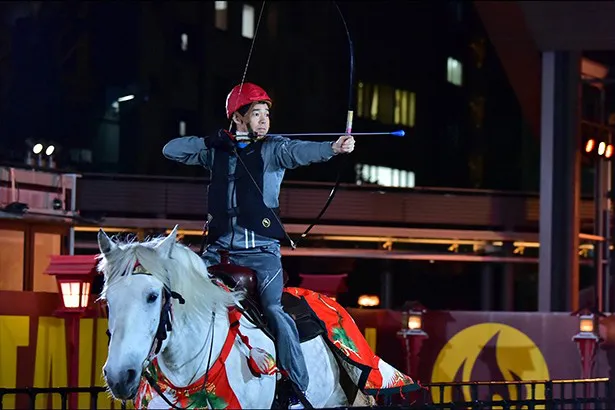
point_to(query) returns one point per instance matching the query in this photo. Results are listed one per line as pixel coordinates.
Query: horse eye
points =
(151, 298)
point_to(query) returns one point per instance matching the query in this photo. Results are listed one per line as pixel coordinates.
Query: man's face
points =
(256, 120)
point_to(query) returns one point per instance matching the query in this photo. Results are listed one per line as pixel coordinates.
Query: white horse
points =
(143, 283)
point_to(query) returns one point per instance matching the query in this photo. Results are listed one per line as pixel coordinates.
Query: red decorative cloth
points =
(370, 373)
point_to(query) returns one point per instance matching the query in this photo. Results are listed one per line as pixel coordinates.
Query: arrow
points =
(399, 133)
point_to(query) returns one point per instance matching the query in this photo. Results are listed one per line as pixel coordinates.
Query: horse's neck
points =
(184, 359)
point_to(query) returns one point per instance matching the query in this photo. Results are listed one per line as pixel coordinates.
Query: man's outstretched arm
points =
(189, 151)
(295, 153)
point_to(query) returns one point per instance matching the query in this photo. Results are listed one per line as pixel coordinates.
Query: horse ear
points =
(165, 247)
(105, 244)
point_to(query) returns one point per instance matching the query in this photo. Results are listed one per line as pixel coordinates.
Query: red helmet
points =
(249, 93)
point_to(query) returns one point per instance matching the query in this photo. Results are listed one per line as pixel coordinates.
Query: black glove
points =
(222, 139)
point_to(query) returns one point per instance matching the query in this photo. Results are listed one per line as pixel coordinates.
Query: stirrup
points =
(298, 399)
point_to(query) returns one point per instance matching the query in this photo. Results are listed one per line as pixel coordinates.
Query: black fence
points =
(551, 394)
(531, 395)
(26, 398)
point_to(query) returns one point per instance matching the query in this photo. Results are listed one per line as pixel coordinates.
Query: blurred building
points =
(112, 82)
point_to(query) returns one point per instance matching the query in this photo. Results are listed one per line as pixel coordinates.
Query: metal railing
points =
(26, 397)
(186, 198)
(546, 394)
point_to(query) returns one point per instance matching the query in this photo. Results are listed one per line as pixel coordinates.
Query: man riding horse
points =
(243, 203)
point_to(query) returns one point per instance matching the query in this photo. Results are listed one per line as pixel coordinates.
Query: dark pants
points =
(266, 262)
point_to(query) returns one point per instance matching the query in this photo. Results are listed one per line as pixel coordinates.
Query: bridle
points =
(165, 326)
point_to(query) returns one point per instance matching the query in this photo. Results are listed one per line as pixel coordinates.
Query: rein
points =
(165, 323)
(151, 380)
(164, 326)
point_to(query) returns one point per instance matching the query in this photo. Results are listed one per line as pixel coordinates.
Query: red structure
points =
(74, 275)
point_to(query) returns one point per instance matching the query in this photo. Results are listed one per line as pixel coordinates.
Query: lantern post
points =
(74, 276)
(587, 339)
(412, 335)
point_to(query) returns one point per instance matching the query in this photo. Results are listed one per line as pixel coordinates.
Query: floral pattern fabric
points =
(215, 392)
(370, 373)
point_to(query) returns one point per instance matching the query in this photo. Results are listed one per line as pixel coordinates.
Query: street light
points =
(412, 319)
(126, 98)
(602, 149)
(412, 335)
(587, 338)
(368, 301)
(74, 275)
(38, 149)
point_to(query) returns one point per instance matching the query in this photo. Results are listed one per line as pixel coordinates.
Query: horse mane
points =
(184, 272)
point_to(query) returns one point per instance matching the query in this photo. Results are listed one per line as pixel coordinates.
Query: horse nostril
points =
(131, 376)
(104, 372)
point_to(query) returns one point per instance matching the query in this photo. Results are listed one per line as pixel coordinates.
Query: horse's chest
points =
(211, 391)
(229, 384)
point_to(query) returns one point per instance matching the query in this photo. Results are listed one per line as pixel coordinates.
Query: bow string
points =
(348, 130)
(349, 118)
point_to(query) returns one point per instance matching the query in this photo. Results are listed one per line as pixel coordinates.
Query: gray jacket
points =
(278, 153)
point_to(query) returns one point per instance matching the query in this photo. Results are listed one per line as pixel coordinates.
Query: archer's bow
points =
(349, 118)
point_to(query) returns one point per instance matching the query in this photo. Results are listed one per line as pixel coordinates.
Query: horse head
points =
(138, 292)
(143, 282)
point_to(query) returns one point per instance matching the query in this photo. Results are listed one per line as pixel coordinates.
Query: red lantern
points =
(74, 275)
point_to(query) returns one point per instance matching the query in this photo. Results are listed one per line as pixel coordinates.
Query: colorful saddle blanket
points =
(367, 371)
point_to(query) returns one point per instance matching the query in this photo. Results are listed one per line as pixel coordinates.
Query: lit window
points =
(360, 90)
(247, 21)
(395, 181)
(184, 41)
(365, 100)
(405, 108)
(384, 176)
(453, 71)
(221, 8)
(182, 128)
(374, 106)
(411, 109)
(386, 104)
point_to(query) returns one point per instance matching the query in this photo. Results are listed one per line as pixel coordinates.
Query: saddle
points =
(234, 276)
